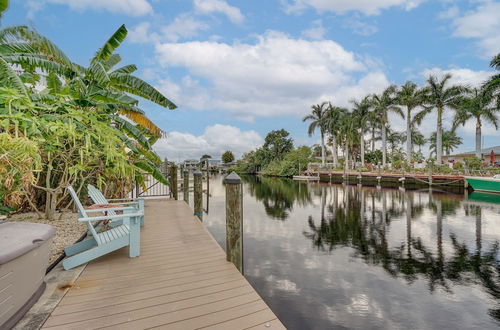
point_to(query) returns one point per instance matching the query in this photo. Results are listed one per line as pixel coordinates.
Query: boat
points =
(484, 183)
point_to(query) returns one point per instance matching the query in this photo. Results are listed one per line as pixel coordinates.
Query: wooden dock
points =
(181, 281)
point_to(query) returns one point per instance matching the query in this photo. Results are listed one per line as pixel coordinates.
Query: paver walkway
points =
(181, 281)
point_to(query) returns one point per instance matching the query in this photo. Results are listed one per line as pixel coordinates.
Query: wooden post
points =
(430, 172)
(198, 192)
(173, 183)
(234, 220)
(185, 187)
(208, 178)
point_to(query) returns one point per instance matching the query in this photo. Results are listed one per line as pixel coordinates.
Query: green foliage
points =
(373, 157)
(459, 166)
(473, 163)
(227, 157)
(292, 164)
(278, 143)
(74, 122)
(19, 160)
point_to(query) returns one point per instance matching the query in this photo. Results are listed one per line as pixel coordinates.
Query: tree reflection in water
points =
(348, 224)
(278, 195)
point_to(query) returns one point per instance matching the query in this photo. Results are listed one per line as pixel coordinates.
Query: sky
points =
(238, 69)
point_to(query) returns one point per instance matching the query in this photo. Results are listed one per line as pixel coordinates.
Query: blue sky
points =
(238, 69)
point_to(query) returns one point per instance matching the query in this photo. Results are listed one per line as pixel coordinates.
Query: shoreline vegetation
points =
(357, 129)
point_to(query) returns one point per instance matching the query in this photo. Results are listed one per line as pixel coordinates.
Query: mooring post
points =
(431, 164)
(198, 192)
(185, 186)
(234, 220)
(173, 183)
(208, 179)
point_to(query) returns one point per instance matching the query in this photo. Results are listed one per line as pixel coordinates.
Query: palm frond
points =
(113, 60)
(10, 78)
(141, 120)
(132, 131)
(98, 72)
(105, 52)
(125, 69)
(46, 47)
(133, 85)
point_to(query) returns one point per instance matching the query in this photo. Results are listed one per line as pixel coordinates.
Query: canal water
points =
(327, 256)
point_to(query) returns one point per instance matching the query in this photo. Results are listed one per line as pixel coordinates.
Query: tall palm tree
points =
(383, 104)
(410, 96)
(333, 122)
(478, 105)
(362, 115)
(493, 84)
(450, 141)
(441, 97)
(348, 135)
(318, 118)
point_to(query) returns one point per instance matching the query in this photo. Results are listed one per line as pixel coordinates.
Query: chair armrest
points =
(124, 203)
(125, 199)
(111, 217)
(110, 209)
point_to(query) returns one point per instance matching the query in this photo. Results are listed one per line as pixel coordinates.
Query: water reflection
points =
(278, 195)
(348, 224)
(360, 257)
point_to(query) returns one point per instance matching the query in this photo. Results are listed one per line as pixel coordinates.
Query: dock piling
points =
(198, 192)
(173, 184)
(185, 186)
(234, 220)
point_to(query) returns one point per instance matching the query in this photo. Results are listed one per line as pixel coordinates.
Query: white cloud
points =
(460, 76)
(184, 26)
(141, 34)
(482, 24)
(263, 79)
(128, 7)
(358, 26)
(316, 32)
(368, 7)
(219, 6)
(214, 141)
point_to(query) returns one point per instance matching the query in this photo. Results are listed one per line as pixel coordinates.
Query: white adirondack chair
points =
(98, 198)
(99, 244)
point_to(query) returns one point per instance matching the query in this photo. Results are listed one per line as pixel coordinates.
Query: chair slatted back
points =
(81, 211)
(98, 198)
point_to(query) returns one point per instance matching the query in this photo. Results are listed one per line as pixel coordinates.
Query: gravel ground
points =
(68, 230)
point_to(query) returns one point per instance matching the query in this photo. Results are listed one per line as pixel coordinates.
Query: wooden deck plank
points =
(180, 281)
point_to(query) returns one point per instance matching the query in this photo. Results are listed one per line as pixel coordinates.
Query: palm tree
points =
(450, 140)
(333, 123)
(477, 105)
(383, 104)
(347, 135)
(318, 120)
(417, 139)
(493, 84)
(410, 96)
(362, 115)
(441, 97)
(394, 139)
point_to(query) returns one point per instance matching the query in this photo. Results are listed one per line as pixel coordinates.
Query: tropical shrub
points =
(19, 160)
(459, 166)
(473, 163)
(75, 115)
